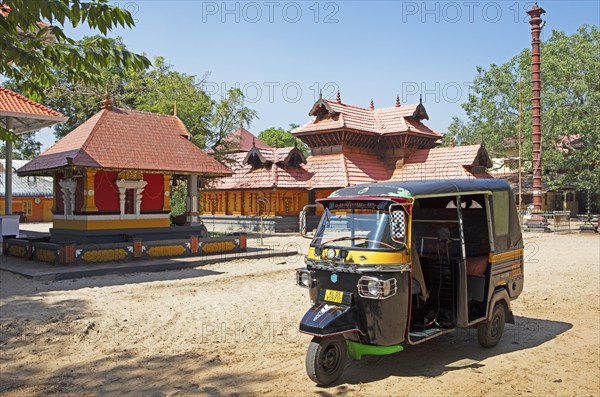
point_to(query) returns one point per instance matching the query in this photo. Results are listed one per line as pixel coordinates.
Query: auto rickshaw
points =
(398, 263)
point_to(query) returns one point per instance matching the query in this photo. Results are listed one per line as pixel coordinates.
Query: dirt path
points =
(231, 328)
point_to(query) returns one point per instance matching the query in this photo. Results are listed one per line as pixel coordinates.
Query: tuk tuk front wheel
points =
(490, 332)
(326, 359)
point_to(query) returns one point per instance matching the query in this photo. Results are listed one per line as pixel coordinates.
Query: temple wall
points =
(152, 197)
(253, 202)
(106, 192)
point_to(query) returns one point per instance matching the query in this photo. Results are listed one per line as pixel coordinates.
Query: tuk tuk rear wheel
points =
(490, 332)
(326, 359)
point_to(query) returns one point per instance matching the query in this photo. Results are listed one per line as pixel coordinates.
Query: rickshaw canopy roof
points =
(408, 189)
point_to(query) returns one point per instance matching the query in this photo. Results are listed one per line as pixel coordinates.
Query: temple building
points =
(349, 145)
(111, 189)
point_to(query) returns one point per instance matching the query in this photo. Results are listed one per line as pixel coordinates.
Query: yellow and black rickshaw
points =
(398, 263)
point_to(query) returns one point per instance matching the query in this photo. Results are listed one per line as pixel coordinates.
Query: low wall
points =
(252, 224)
(136, 249)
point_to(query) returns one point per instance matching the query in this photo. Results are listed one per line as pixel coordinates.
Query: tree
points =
(227, 115)
(570, 101)
(31, 50)
(26, 147)
(156, 89)
(277, 136)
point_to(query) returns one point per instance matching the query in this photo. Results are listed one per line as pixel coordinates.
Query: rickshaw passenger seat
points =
(417, 273)
(477, 265)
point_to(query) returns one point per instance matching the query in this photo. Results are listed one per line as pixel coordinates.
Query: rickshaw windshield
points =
(353, 228)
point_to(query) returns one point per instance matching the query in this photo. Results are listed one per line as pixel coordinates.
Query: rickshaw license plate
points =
(332, 295)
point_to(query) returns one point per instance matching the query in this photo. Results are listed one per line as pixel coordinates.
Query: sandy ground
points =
(231, 329)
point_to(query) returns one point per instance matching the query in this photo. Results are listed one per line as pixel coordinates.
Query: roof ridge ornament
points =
(107, 102)
(338, 97)
(175, 108)
(420, 99)
(372, 104)
(397, 100)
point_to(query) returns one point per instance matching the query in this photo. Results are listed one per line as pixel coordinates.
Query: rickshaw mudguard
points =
(325, 319)
(500, 295)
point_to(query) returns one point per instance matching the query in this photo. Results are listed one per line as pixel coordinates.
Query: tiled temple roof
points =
(125, 139)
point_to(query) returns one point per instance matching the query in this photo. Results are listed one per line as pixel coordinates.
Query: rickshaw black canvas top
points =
(409, 189)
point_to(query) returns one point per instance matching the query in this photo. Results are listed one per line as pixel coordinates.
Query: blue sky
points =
(281, 53)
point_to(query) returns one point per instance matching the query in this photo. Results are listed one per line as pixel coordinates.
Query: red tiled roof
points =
(124, 139)
(275, 175)
(378, 121)
(461, 155)
(347, 169)
(245, 139)
(26, 114)
(13, 102)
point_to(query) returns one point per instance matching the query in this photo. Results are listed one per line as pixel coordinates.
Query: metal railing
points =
(558, 221)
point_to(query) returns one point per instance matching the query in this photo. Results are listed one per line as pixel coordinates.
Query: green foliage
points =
(178, 197)
(154, 89)
(277, 136)
(31, 51)
(226, 116)
(570, 105)
(33, 45)
(24, 148)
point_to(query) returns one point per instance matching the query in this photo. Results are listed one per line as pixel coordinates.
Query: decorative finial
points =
(175, 108)
(295, 144)
(275, 144)
(320, 94)
(420, 99)
(372, 104)
(338, 97)
(452, 143)
(253, 142)
(107, 102)
(397, 101)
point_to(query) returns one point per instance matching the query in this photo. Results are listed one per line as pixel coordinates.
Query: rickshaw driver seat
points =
(417, 274)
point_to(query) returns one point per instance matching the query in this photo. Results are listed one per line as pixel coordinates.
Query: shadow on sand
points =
(452, 352)
(37, 286)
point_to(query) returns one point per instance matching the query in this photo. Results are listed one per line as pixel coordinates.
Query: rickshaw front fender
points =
(325, 319)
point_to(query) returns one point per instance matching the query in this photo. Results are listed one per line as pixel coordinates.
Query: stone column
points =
(122, 191)
(8, 170)
(192, 201)
(68, 187)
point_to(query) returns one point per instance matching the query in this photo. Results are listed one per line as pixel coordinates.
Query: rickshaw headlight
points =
(330, 253)
(375, 288)
(304, 278)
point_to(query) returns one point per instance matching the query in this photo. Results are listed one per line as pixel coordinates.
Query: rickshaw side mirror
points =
(303, 222)
(397, 224)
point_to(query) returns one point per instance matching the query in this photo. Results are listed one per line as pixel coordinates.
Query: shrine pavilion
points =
(111, 184)
(349, 145)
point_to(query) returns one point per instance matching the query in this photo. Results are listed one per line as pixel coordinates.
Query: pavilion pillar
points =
(8, 170)
(68, 187)
(192, 201)
(89, 200)
(167, 192)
